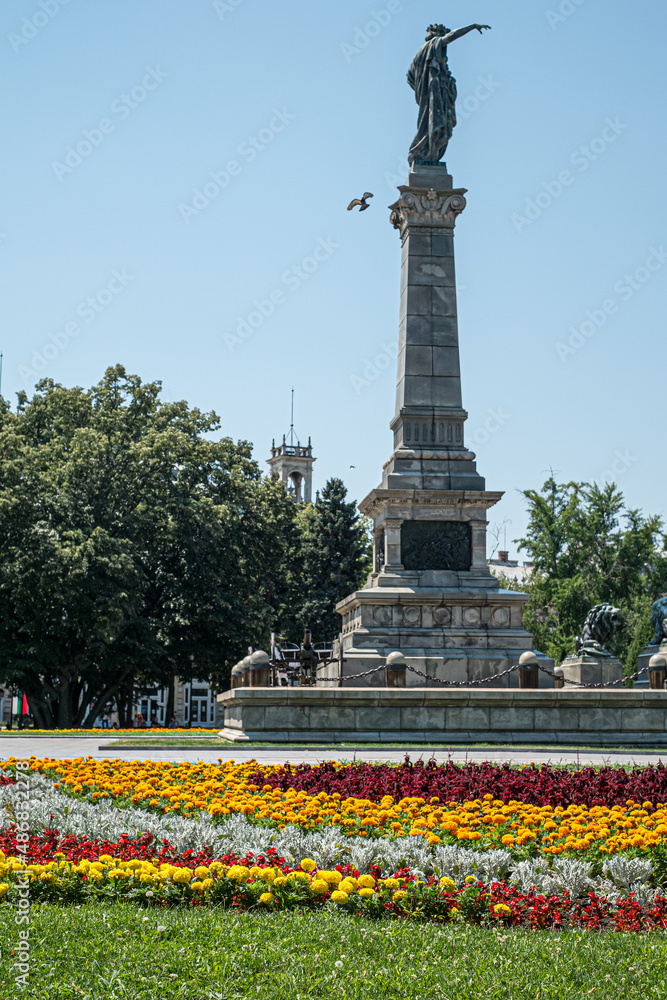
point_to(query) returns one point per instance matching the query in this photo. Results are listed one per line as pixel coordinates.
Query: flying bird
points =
(362, 202)
(353, 466)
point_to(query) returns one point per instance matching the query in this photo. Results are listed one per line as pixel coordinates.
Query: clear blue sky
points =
(333, 116)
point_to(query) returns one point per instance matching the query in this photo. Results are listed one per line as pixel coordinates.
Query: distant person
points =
(114, 720)
(172, 724)
(139, 721)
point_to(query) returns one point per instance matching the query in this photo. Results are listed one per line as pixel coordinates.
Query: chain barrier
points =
(484, 680)
(607, 684)
(488, 680)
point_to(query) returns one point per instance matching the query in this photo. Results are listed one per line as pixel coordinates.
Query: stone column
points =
(392, 545)
(429, 450)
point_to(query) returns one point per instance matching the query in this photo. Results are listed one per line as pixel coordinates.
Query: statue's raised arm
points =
(435, 92)
(460, 32)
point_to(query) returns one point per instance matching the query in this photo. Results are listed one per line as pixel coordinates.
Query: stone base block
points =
(567, 717)
(580, 670)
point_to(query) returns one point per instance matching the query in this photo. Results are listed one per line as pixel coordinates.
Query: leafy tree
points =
(589, 548)
(335, 560)
(132, 546)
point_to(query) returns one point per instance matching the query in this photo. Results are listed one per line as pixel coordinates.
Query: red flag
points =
(24, 708)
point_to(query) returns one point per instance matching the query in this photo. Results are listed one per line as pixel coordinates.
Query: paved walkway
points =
(66, 747)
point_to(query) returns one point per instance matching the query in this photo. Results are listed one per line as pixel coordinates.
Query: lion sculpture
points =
(600, 625)
(659, 621)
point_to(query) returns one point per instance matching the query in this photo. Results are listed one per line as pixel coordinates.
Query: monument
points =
(431, 594)
(592, 663)
(431, 603)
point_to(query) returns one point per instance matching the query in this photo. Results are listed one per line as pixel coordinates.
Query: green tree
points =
(589, 548)
(334, 560)
(133, 547)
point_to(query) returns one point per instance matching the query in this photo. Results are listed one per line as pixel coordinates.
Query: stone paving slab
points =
(68, 748)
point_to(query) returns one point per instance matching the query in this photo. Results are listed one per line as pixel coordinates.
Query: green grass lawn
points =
(108, 952)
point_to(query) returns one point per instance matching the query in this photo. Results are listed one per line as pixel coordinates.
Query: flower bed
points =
(362, 838)
(437, 802)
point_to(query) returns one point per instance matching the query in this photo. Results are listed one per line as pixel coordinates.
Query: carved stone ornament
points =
(442, 616)
(500, 617)
(471, 616)
(412, 616)
(382, 615)
(436, 545)
(436, 209)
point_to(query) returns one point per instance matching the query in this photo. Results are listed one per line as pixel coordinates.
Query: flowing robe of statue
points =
(435, 91)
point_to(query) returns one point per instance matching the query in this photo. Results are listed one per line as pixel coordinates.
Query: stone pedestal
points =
(431, 594)
(591, 670)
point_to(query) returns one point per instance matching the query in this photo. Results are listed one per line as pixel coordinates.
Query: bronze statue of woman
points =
(435, 91)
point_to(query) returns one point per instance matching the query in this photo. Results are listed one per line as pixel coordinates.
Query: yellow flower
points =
(501, 908)
(471, 880)
(391, 883)
(339, 897)
(181, 876)
(267, 875)
(399, 896)
(366, 893)
(308, 865)
(201, 872)
(332, 878)
(266, 898)
(319, 886)
(348, 885)
(4, 888)
(198, 886)
(238, 873)
(366, 881)
(280, 881)
(448, 884)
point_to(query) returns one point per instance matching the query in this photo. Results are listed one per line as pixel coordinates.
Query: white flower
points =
(339, 965)
(161, 929)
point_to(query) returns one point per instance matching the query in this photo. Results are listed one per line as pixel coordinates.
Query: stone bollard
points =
(244, 673)
(236, 675)
(529, 674)
(657, 671)
(559, 679)
(396, 670)
(260, 669)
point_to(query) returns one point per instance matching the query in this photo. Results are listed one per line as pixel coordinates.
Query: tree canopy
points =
(589, 547)
(132, 546)
(334, 559)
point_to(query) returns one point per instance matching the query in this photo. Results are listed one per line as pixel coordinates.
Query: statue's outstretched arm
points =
(460, 32)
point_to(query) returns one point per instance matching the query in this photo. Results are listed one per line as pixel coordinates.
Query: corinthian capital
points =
(436, 209)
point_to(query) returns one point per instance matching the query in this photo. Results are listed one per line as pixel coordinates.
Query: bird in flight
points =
(362, 202)
(353, 466)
